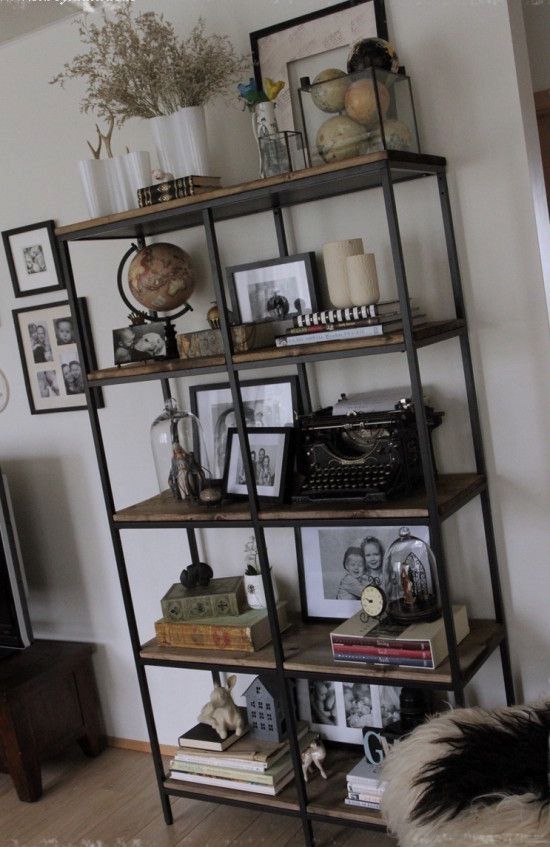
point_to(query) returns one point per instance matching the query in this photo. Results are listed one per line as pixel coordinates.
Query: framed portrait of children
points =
(269, 451)
(33, 260)
(335, 563)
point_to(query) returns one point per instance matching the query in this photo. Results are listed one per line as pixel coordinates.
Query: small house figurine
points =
(265, 715)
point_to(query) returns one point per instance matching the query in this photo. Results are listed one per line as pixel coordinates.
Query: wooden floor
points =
(112, 801)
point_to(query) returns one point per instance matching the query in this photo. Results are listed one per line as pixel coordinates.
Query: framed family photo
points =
(52, 369)
(311, 43)
(339, 711)
(33, 260)
(335, 563)
(273, 290)
(267, 403)
(269, 451)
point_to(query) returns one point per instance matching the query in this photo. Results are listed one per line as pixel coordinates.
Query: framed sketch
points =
(273, 290)
(267, 402)
(33, 259)
(52, 369)
(335, 563)
(339, 711)
(311, 43)
(269, 451)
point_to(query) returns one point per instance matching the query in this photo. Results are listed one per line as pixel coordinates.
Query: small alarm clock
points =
(373, 603)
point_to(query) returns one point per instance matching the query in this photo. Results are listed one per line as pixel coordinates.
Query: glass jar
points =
(411, 568)
(179, 453)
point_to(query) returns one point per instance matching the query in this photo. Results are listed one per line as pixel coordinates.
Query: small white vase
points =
(181, 143)
(255, 593)
(362, 279)
(132, 171)
(97, 183)
(335, 254)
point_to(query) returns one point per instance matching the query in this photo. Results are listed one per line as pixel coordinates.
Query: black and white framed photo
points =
(52, 369)
(335, 563)
(339, 711)
(141, 343)
(311, 43)
(273, 290)
(271, 403)
(33, 259)
(269, 451)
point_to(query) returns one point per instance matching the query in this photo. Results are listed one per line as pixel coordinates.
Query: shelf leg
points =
(428, 469)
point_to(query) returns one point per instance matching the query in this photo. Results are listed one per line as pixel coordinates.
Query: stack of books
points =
(354, 322)
(365, 789)
(419, 645)
(243, 764)
(174, 189)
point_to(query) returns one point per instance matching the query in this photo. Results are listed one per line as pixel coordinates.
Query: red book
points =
(370, 650)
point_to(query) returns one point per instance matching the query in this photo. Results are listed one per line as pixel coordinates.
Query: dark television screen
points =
(15, 628)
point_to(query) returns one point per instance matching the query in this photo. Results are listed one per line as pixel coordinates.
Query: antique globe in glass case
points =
(411, 568)
(179, 452)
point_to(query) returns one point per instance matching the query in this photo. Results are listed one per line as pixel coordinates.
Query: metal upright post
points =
(284, 686)
(115, 536)
(436, 539)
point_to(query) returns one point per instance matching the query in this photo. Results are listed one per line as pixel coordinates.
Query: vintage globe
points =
(361, 104)
(372, 53)
(160, 277)
(339, 138)
(328, 90)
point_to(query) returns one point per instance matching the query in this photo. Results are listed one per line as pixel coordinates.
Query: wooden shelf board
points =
(326, 797)
(453, 491)
(286, 801)
(308, 651)
(153, 652)
(259, 195)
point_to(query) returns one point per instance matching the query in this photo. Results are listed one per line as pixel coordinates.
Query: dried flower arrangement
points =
(138, 67)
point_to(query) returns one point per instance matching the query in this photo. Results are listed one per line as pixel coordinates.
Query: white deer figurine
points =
(314, 755)
(221, 713)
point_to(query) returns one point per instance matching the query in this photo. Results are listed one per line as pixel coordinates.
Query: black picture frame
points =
(304, 23)
(196, 392)
(240, 278)
(280, 467)
(50, 388)
(23, 264)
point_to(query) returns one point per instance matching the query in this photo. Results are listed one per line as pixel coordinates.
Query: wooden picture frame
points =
(278, 49)
(270, 449)
(276, 401)
(54, 375)
(33, 259)
(274, 289)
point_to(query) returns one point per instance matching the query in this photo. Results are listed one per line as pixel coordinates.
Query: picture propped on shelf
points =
(273, 290)
(337, 563)
(33, 260)
(52, 369)
(139, 343)
(269, 452)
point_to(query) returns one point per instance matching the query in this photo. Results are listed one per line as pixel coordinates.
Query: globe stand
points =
(139, 317)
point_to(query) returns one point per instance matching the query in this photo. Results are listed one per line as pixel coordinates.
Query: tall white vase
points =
(132, 171)
(335, 254)
(181, 143)
(98, 186)
(362, 279)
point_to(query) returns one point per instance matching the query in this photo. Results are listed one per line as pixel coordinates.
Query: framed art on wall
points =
(33, 260)
(335, 563)
(269, 450)
(273, 290)
(52, 369)
(310, 43)
(267, 402)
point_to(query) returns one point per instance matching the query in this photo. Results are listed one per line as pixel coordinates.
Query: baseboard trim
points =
(139, 746)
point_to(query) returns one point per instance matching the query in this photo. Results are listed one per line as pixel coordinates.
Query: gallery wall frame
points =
(33, 259)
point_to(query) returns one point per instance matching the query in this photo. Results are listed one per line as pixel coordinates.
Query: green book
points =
(271, 776)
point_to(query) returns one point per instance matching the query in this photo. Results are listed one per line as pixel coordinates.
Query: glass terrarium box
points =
(348, 115)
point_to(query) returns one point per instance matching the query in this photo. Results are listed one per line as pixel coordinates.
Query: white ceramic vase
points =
(132, 171)
(98, 186)
(335, 254)
(110, 185)
(264, 124)
(362, 279)
(181, 143)
(255, 593)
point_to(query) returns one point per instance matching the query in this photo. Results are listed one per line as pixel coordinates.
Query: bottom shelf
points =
(325, 797)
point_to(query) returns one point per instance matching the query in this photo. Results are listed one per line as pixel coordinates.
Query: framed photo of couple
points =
(33, 260)
(335, 563)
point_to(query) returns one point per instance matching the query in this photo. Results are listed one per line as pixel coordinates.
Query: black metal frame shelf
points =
(379, 170)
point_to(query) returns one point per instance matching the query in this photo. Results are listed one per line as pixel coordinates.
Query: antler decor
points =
(96, 152)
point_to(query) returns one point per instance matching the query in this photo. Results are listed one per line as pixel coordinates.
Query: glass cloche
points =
(179, 452)
(411, 568)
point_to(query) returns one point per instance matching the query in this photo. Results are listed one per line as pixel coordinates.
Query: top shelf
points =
(261, 195)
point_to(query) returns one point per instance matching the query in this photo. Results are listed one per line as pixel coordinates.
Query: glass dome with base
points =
(410, 564)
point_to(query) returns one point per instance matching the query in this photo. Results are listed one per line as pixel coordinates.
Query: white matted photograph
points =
(269, 449)
(32, 259)
(273, 290)
(339, 711)
(338, 562)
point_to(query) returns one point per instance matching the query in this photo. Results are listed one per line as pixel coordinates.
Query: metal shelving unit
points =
(304, 652)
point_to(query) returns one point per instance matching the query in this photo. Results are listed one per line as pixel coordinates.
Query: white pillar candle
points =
(362, 279)
(335, 254)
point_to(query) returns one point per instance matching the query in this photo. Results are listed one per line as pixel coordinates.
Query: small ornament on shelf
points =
(315, 754)
(253, 577)
(411, 564)
(221, 713)
(280, 152)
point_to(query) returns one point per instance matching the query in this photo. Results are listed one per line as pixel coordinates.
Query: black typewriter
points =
(370, 456)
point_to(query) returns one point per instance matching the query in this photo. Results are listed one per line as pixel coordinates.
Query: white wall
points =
(461, 61)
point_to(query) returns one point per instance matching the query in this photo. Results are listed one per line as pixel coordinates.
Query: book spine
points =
(197, 635)
(151, 197)
(367, 641)
(331, 327)
(363, 804)
(367, 650)
(366, 797)
(236, 764)
(329, 316)
(238, 785)
(384, 660)
(223, 773)
(330, 335)
(373, 788)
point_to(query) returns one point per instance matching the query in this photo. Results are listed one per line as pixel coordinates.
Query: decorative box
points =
(208, 342)
(349, 115)
(223, 597)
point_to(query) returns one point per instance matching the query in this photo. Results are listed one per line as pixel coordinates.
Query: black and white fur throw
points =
(471, 777)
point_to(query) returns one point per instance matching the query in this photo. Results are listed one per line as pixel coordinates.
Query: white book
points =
(329, 335)
(235, 784)
(363, 804)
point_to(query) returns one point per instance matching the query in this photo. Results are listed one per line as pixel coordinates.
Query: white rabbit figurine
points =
(221, 713)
